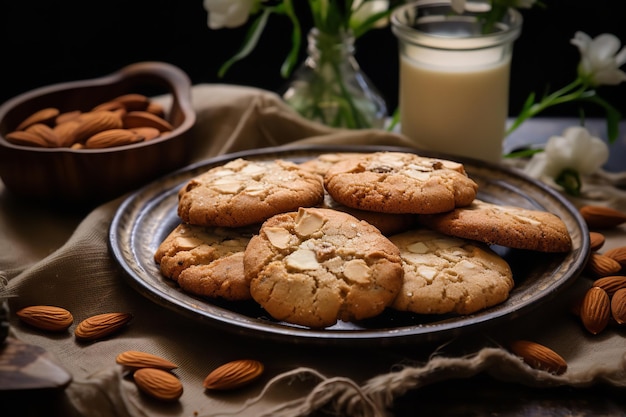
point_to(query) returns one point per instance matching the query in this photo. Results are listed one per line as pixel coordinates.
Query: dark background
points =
(46, 42)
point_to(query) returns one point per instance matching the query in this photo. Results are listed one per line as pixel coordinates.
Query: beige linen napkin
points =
(62, 259)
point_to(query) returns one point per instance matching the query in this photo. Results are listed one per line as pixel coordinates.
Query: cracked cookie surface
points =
(316, 266)
(206, 261)
(397, 182)
(444, 274)
(509, 226)
(243, 192)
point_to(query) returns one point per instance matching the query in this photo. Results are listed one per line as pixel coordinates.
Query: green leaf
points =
(524, 114)
(395, 119)
(524, 153)
(250, 42)
(569, 179)
(613, 117)
(291, 60)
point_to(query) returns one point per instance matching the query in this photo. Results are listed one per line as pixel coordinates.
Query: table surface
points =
(476, 396)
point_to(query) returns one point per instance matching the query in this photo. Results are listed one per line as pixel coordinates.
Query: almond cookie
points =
(397, 182)
(444, 274)
(206, 261)
(323, 162)
(387, 223)
(316, 266)
(244, 192)
(509, 226)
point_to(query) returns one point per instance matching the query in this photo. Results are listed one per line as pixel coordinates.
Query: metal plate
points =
(146, 217)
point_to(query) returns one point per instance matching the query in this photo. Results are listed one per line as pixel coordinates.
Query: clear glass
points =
(454, 78)
(329, 87)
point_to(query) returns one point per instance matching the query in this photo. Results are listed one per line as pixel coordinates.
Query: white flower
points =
(363, 9)
(575, 150)
(600, 59)
(228, 13)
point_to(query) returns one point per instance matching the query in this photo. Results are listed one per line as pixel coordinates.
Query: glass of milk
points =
(454, 78)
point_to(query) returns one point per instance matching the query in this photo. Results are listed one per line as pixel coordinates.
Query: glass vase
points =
(454, 78)
(329, 86)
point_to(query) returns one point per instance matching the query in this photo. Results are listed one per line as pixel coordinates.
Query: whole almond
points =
(112, 137)
(618, 306)
(65, 132)
(101, 325)
(94, 122)
(595, 310)
(148, 133)
(50, 318)
(233, 374)
(600, 217)
(600, 265)
(23, 138)
(46, 116)
(156, 108)
(158, 384)
(619, 254)
(111, 106)
(146, 119)
(67, 116)
(538, 356)
(611, 283)
(135, 359)
(133, 101)
(596, 240)
(45, 132)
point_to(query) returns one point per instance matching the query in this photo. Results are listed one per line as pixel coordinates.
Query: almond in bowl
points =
(48, 152)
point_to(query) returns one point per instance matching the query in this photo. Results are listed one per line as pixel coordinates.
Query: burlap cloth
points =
(62, 259)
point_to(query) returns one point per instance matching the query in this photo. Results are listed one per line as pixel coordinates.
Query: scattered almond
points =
(600, 265)
(600, 217)
(538, 356)
(101, 325)
(596, 240)
(595, 310)
(135, 359)
(233, 374)
(619, 254)
(158, 384)
(50, 318)
(611, 283)
(618, 306)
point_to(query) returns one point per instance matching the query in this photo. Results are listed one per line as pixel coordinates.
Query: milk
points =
(454, 77)
(459, 109)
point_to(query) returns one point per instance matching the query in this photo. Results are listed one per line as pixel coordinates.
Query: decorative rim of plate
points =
(124, 247)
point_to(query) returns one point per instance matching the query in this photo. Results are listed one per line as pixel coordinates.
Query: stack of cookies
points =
(346, 236)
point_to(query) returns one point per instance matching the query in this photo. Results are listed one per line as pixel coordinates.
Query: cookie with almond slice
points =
(503, 225)
(244, 192)
(444, 274)
(398, 182)
(315, 266)
(206, 261)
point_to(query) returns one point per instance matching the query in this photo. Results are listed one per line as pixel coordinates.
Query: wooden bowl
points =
(90, 176)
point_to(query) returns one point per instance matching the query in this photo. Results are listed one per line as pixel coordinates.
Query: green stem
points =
(570, 92)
